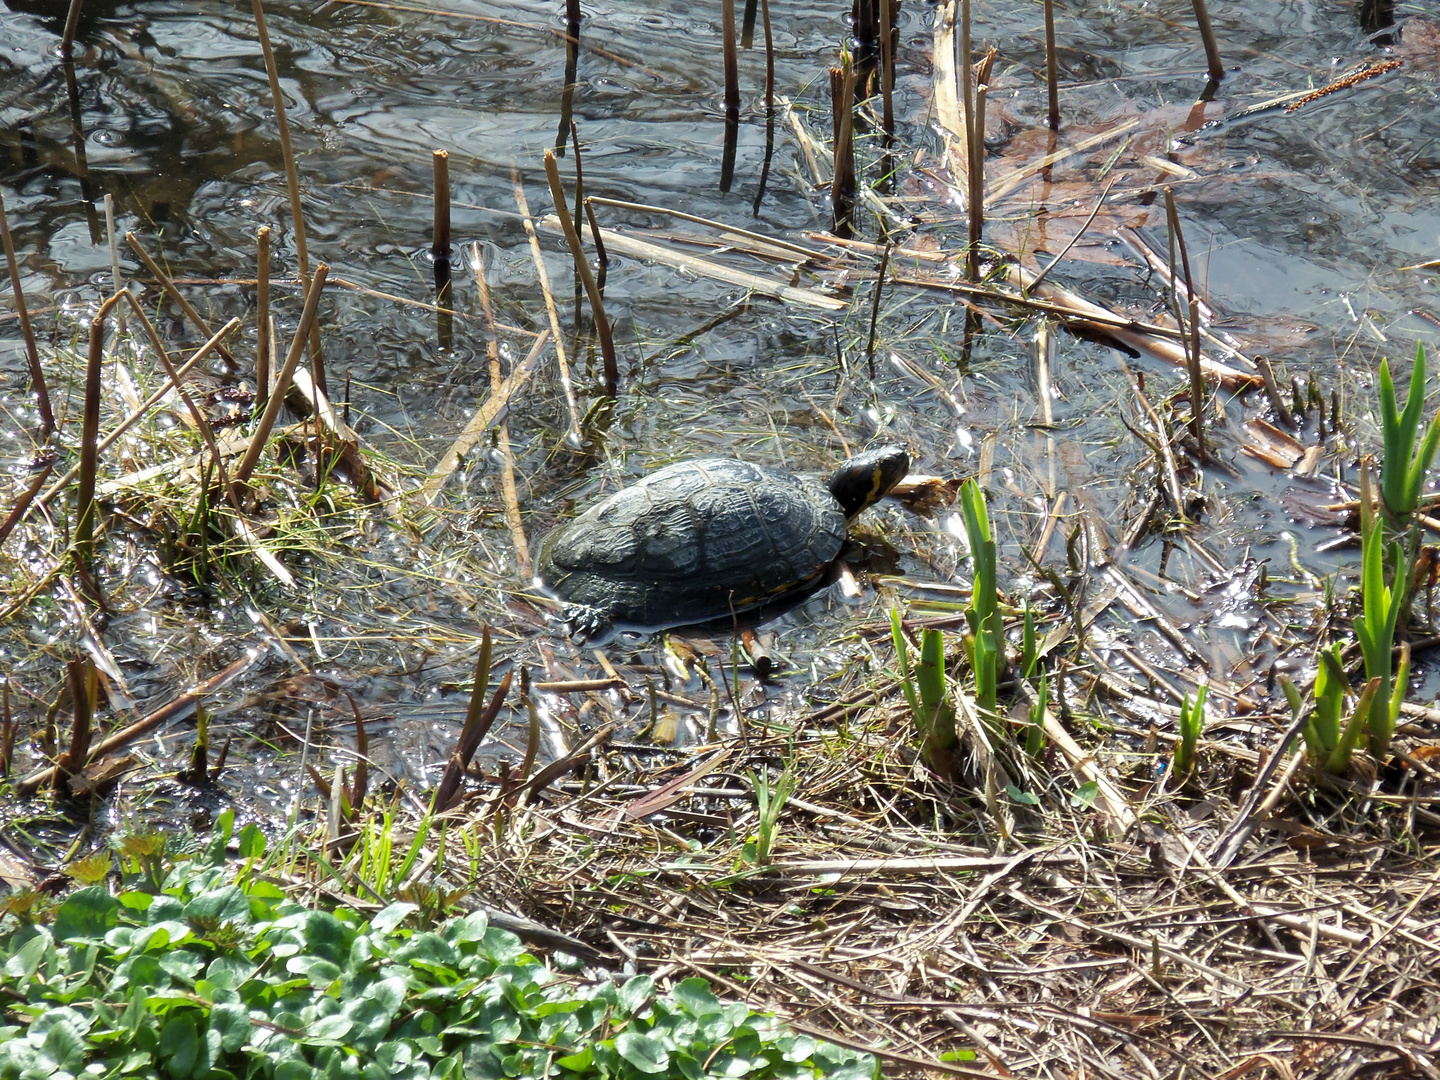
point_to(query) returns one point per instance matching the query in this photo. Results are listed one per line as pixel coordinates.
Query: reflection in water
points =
(1377, 15)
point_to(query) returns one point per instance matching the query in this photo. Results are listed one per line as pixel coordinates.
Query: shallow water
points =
(1299, 227)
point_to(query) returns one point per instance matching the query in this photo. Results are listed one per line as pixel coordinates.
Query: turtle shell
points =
(693, 542)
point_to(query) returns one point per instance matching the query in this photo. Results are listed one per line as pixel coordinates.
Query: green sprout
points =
(927, 696)
(769, 801)
(1192, 722)
(1402, 471)
(1375, 627)
(983, 645)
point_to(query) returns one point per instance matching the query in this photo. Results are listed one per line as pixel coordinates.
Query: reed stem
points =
(282, 380)
(1052, 66)
(1207, 35)
(169, 286)
(72, 23)
(32, 353)
(90, 438)
(440, 238)
(597, 305)
(262, 320)
(292, 183)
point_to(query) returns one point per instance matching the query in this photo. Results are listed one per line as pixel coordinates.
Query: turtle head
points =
(867, 478)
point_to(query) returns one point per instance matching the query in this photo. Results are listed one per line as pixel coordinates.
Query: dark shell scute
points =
(692, 541)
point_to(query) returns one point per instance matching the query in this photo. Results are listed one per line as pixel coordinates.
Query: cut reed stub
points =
(842, 186)
(440, 236)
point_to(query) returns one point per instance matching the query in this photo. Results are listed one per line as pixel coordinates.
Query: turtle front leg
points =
(587, 625)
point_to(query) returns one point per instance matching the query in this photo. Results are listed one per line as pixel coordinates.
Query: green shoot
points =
(770, 801)
(1035, 732)
(1192, 722)
(1375, 627)
(927, 695)
(983, 645)
(1402, 472)
(1029, 650)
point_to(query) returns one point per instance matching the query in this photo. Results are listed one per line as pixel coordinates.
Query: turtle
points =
(702, 539)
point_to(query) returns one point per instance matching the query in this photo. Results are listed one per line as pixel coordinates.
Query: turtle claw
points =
(587, 625)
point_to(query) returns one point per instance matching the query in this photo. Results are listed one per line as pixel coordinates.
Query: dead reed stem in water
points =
(507, 461)
(22, 504)
(116, 279)
(262, 320)
(440, 237)
(282, 379)
(145, 406)
(201, 423)
(1207, 35)
(1191, 341)
(842, 185)
(875, 309)
(538, 258)
(90, 438)
(169, 286)
(977, 181)
(597, 305)
(1052, 67)
(887, 63)
(292, 183)
(83, 686)
(32, 353)
(72, 23)
(579, 169)
(730, 58)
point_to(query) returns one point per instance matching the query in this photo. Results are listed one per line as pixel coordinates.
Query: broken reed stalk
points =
(1052, 67)
(83, 686)
(887, 64)
(145, 406)
(522, 204)
(1207, 35)
(579, 169)
(115, 277)
(292, 183)
(875, 308)
(769, 108)
(201, 423)
(173, 710)
(7, 729)
(72, 23)
(169, 286)
(597, 305)
(90, 437)
(977, 182)
(582, 199)
(22, 504)
(282, 379)
(32, 353)
(730, 59)
(262, 320)
(1191, 341)
(842, 185)
(507, 462)
(440, 237)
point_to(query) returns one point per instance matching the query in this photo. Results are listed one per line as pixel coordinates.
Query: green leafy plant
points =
(984, 644)
(218, 974)
(1375, 626)
(1330, 745)
(769, 801)
(1029, 663)
(1192, 723)
(1402, 471)
(927, 695)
